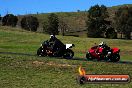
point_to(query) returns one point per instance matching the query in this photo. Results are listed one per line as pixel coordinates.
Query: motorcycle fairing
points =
(69, 46)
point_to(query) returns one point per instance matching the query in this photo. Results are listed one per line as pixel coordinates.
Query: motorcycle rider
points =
(56, 45)
(105, 48)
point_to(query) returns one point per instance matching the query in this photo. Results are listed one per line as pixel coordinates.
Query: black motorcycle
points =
(46, 49)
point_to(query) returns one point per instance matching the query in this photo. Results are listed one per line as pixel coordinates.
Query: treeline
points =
(31, 23)
(97, 22)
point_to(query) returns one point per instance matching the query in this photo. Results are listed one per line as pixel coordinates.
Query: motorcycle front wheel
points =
(88, 56)
(40, 52)
(68, 54)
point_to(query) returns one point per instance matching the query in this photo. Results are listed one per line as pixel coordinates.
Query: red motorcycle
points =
(103, 53)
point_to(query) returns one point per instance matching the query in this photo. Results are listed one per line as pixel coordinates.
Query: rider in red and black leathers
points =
(105, 47)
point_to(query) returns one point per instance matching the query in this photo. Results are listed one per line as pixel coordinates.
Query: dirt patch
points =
(51, 63)
(58, 65)
(37, 63)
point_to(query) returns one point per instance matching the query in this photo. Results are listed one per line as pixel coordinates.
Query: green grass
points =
(21, 68)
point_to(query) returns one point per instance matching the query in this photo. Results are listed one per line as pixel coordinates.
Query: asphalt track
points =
(75, 58)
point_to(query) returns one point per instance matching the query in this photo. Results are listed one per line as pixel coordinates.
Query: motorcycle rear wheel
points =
(115, 58)
(68, 54)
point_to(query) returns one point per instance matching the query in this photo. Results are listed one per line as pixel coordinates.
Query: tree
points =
(45, 27)
(63, 26)
(123, 21)
(110, 33)
(51, 26)
(0, 17)
(29, 23)
(96, 23)
(9, 20)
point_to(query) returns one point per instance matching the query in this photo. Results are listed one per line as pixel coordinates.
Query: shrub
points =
(29, 23)
(110, 33)
(9, 20)
(51, 26)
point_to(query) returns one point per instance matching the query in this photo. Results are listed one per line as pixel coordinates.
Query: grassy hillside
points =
(21, 68)
(74, 20)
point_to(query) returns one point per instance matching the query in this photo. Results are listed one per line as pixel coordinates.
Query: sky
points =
(20, 7)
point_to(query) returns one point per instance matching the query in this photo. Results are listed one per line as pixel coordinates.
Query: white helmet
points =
(102, 43)
(51, 36)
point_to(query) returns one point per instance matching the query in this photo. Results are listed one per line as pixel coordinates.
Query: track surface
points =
(75, 58)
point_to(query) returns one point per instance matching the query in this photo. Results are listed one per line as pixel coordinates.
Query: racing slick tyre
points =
(40, 52)
(68, 54)
(115, 58)
(88, 56)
